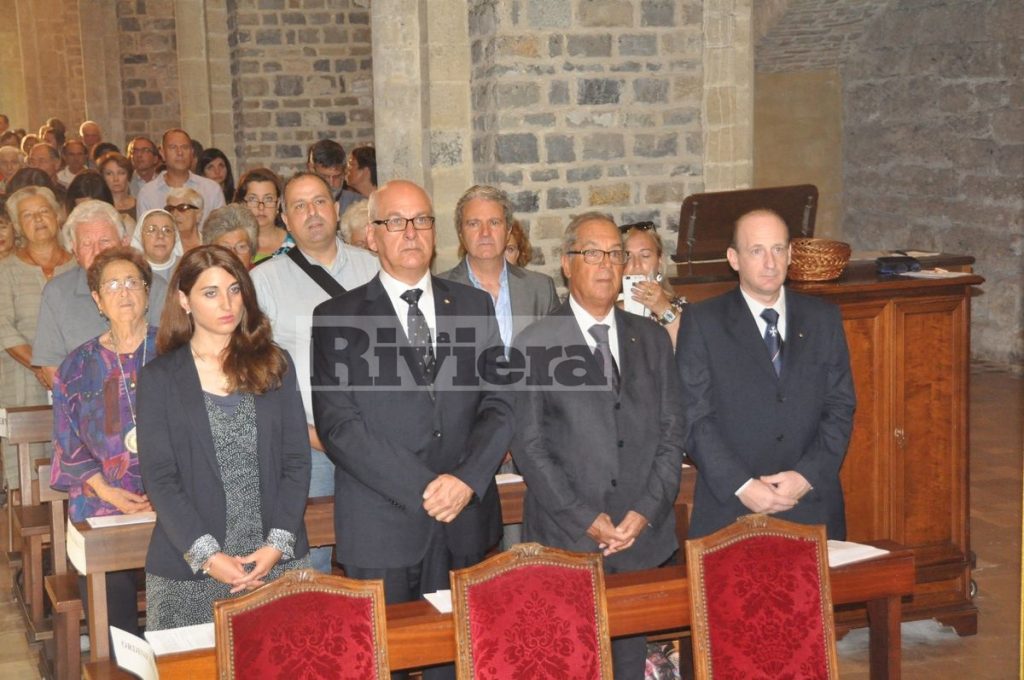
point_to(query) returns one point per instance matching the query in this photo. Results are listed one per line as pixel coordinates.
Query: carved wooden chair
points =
(532, 612)
(760, 601)
(304, 625)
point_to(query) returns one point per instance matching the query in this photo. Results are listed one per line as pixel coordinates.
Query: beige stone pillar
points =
(13, 97)
(101, 59)
(421, 97)
(204, 72)
(728, 103)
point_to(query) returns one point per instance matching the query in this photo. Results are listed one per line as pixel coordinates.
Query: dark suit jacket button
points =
(614, 483)
(621, 443)
(437, 433)
(780, 437)
(618, 406)
(781, 398)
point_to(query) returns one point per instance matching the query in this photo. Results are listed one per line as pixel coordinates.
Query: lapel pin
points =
(800, 334)
(447, 301)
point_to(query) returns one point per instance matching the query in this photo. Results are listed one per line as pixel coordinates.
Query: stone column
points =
(421, 94)
(101, 58)
(728, 102)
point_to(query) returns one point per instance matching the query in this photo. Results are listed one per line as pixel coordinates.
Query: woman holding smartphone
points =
(645, 250)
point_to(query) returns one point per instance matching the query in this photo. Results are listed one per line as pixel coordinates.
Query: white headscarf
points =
(164, 269)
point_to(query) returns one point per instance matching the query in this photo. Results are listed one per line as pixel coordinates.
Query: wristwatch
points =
(672, 313)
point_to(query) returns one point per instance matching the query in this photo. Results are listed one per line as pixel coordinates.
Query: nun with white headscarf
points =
(157, 237)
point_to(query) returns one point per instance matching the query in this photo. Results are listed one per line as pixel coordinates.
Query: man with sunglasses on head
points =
(176, 148)
(600, 431)
(418, 435)
(290, 285)
(68, 316)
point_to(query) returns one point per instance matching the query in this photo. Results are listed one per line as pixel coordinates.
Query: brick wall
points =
(934, 147)
(301, 72)
(149, 67)
(588, 105)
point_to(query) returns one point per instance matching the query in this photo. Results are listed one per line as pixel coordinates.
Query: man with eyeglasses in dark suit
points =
(600, 432)
(415, 431)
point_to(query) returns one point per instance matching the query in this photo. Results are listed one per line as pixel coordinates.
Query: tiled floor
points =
(929, 651)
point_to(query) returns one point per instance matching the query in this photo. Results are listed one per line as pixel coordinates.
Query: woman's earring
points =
(659, 277)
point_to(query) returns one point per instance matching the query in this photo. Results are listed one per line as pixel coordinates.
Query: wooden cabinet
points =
(906, 473)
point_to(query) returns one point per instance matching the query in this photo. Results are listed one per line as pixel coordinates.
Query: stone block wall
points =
(934, 148)
(588, 105)
(149, 67)
(301, 71)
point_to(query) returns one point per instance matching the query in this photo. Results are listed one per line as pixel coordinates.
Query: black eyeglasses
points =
(420, 222)
(639, 226)
(595, 256)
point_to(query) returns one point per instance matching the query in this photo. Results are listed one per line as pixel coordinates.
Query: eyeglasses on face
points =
(421, 222)
(184, 207)
(153, 229)
(639, 226)
(257, 202)
(130, 283)
(595, 256)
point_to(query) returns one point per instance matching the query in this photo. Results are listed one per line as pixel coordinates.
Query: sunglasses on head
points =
(639, 226)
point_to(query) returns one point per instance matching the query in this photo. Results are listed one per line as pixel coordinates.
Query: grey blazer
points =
(744, 421)
(532, 293)
(587, 451)
(180, 469)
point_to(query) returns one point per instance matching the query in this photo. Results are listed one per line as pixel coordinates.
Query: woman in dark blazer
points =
(223, 445)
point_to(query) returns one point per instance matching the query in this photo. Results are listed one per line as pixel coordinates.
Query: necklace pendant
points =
(131, 441)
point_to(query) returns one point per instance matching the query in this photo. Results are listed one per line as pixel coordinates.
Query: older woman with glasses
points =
(187, 206)
(157, 237)
(646, 253)
(234, 228)
(260, 191)
(95, 456)
(37, 217)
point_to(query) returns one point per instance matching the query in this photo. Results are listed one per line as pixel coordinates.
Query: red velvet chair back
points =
(760, 601)
(532, 612)
(304, 625)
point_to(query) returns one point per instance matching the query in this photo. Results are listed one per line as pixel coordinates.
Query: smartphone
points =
(628, 303)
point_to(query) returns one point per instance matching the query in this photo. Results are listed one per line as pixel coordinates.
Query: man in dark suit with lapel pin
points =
(415, 434)
(600, 432)
(767, 392)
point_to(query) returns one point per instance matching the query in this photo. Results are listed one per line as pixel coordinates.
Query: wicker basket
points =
(818, 259)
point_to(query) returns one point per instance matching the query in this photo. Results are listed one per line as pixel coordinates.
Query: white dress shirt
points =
(394, 288)
(585, 320)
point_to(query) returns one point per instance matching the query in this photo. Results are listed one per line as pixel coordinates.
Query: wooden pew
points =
(29, 523)
(640, 602)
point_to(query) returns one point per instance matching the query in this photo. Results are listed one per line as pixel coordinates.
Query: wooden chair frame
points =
(521, 555)
(293, 583)
(746, 527)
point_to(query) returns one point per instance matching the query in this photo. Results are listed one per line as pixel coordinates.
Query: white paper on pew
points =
(442, 601)
(847, 552)
(134, 654)
(935, 274)
(184, 639)
(3, 422)
(121, 520)
(507, 478)
(76, 548)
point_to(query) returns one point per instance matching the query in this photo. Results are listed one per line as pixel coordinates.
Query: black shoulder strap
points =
(316, 272)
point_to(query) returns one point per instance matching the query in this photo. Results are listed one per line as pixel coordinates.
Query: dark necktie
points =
(603, 353)
(419, 332)
(773, 338)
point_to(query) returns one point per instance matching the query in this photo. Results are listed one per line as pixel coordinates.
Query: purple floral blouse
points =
(91, 416)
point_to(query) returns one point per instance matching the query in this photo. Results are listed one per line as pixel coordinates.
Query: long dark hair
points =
(207, 157)
(251, 361)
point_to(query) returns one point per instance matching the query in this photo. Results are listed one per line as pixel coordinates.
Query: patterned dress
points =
(174, 603)
(92, 413)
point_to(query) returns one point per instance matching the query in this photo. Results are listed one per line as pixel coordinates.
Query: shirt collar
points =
(585, 320)
(756, 307)
(395, 288)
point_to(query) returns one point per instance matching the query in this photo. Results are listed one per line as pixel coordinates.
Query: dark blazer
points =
(391, 436)
(744, 421)
(587, 451)
(179, 464)
(531, 293)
